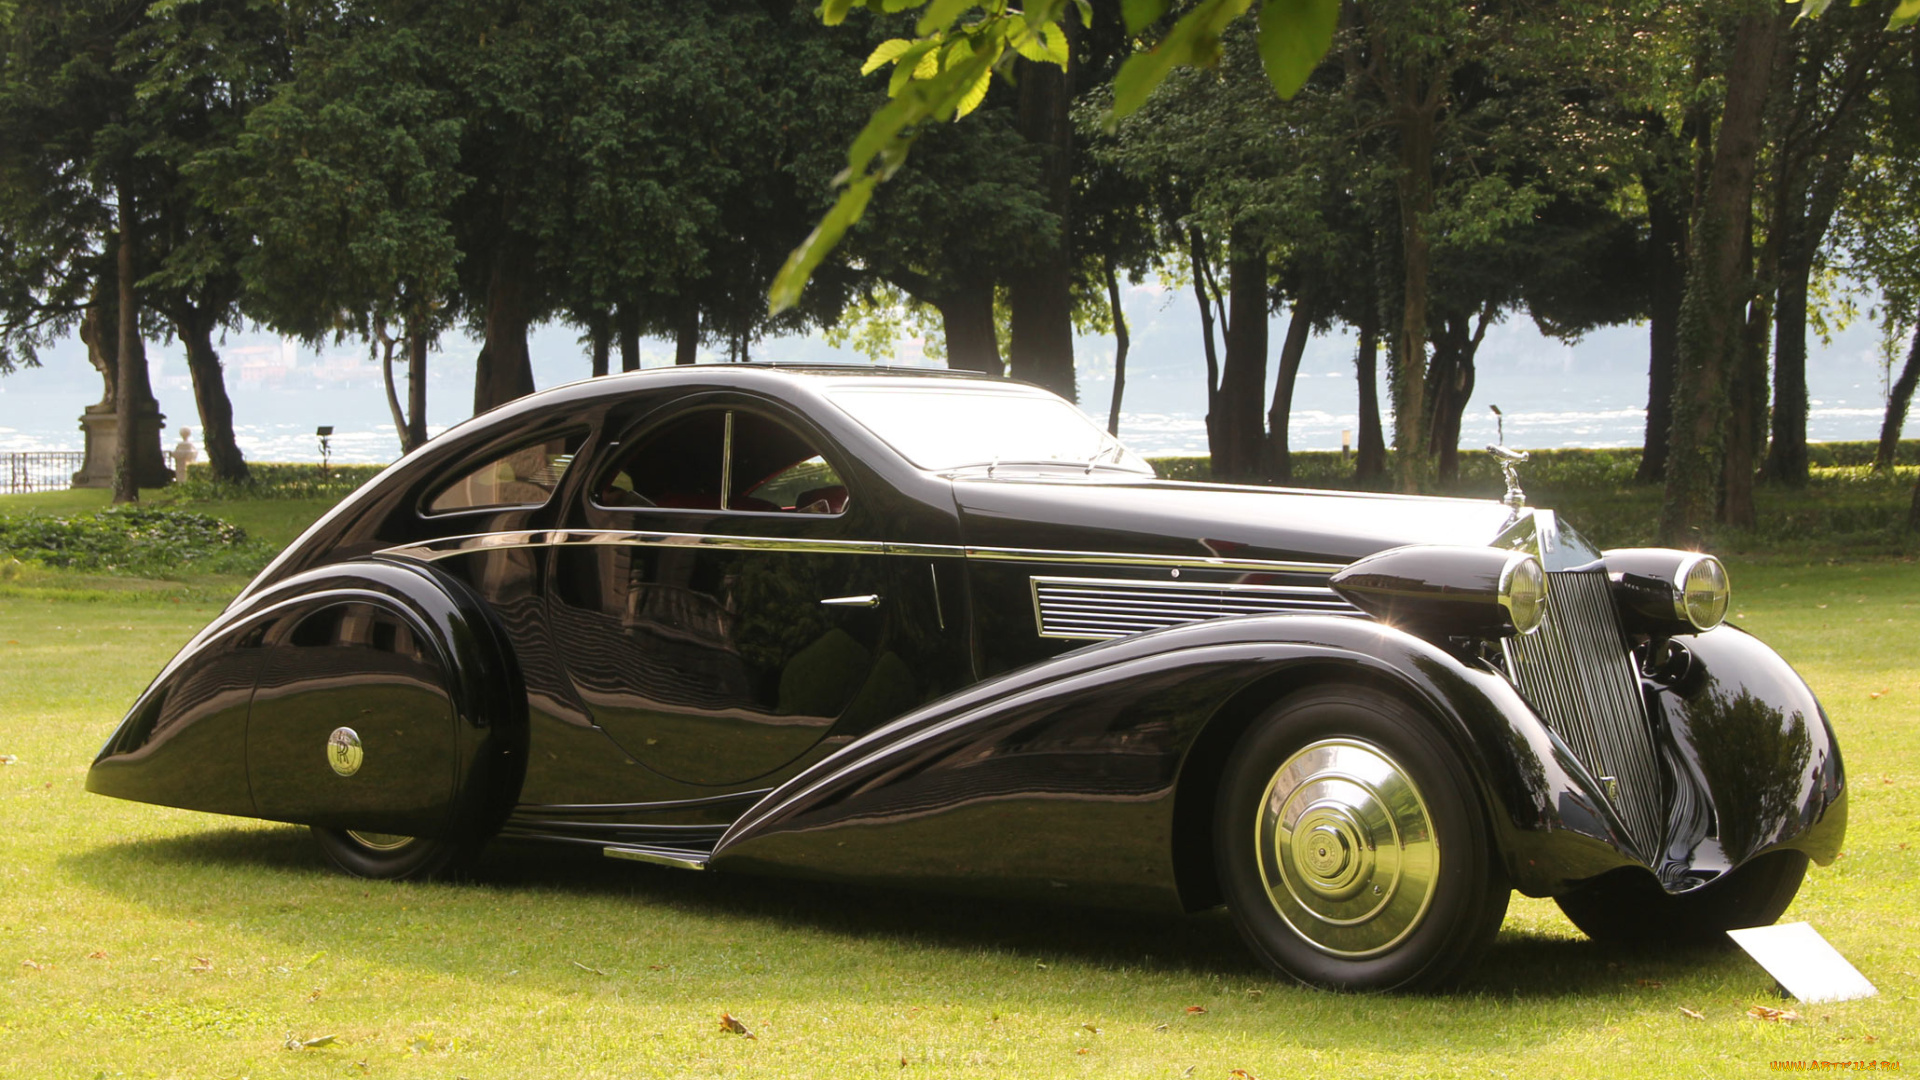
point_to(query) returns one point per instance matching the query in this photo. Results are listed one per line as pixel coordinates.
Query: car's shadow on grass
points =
(162, 873)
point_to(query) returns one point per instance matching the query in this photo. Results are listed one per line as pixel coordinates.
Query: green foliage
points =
(1904, 12)
(347, 178)
(134, 540)
(945, 71)
(1846, 509)
(276, 482)
(873, 326)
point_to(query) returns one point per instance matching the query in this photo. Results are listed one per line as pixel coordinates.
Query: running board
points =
(678, 858)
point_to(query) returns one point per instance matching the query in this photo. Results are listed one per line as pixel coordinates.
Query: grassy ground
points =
(145, 942)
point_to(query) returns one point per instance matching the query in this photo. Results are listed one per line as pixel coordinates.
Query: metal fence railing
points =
(38, 470)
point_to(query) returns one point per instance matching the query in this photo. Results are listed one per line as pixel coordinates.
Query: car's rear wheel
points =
(1351, 845)
(1628, 907)
(393, 857)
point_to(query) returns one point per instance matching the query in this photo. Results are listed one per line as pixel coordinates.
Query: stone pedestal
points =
(103, 436)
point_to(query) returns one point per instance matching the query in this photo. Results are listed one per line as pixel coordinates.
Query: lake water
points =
(1592, 393)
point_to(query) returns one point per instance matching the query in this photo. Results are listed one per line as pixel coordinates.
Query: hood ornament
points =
(1508, 460)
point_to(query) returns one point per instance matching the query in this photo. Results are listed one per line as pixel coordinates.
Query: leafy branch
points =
(1906, 11)
(944, 72)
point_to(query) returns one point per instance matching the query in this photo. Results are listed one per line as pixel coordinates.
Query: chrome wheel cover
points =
(1346, 848)
(379, 841)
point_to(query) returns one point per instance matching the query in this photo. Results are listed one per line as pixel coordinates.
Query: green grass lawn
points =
(145, 942)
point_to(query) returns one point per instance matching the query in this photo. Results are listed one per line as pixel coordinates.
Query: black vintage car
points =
(941, 631)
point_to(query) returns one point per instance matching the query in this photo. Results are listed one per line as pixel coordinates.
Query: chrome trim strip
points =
(641, 807)
(1180, 562)
(679, 860)
(433, 550)
(446, 547)
(933, 551)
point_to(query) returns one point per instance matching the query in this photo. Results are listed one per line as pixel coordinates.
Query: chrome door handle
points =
(869, 600)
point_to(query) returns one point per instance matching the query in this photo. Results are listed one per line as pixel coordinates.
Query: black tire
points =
(1419, 900)
(1628, 907)
(396, 858)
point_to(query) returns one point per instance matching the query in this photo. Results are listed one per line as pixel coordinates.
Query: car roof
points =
(809, 379)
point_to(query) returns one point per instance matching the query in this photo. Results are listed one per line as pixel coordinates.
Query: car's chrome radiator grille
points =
(1577, 673)
(1094, 609)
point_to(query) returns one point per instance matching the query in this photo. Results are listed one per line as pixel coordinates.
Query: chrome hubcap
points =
(379, 841)
(1346, 848)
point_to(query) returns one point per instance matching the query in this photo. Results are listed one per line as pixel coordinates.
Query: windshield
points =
(945, 428)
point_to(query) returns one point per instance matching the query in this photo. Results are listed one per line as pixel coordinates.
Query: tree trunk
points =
(1243, 377)
(1710, 325)
(131, 386)
(1371, 454)
(966, 319)
(629, 319)
(600, 342)
(416, 436)
(1120, 345)
(1899, 397)
(1197, 254)
(385, 345)
(1415, 191)
(1800, 242)
(504, 370)
(1450, 382)
(686, 334)
(224, 461)
(1747, 399)
(1787, 450)
(1666, 285)
(1040, 347)
(1280, 415)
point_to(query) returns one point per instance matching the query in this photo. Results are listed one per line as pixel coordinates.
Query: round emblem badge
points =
(344, 752)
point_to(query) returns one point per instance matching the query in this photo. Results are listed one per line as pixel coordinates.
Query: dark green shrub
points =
(277, 481)
(133, 539)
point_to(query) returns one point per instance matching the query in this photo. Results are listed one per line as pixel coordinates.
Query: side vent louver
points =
(1095, 609)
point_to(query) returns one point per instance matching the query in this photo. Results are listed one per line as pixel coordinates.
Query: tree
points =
(1718, 284)
(969, 202)
(1877, 236)
(74, 177)
(1817, 124)
(344, 180)
(944, 72)
(204, 67)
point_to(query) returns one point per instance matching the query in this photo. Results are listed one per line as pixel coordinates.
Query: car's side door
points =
(721, 599)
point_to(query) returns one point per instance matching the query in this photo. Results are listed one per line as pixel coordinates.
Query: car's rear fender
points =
(207, 733)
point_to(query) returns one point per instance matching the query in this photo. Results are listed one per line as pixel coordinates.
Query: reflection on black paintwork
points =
(1750, 738)
(178, 750)
(721, 666)
(1073, 790)
(358, 666)
(1758, 764)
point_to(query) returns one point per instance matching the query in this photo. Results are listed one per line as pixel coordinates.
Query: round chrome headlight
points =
(1703, 593)
(1523, 592)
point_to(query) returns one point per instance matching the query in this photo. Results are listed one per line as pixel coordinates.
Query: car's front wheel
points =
(393, 857)
(1352, 848)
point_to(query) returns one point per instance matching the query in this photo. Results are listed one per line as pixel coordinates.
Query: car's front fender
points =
(1084, 775)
